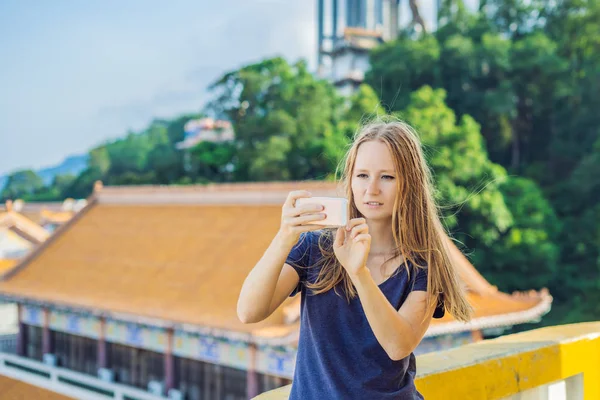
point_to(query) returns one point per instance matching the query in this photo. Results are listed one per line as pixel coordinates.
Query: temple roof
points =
(6, 264)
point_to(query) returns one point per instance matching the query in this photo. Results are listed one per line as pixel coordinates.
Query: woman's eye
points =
(389, 177)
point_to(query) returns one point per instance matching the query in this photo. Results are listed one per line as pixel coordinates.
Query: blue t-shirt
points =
(338, 355)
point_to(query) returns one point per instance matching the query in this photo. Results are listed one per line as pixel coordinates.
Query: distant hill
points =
(71, 165)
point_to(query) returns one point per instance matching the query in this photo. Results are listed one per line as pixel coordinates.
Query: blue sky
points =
(74, 74)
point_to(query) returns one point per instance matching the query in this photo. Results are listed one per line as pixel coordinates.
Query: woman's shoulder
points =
(307, 252)
(309, 244)
(315, 243)
(322, 236)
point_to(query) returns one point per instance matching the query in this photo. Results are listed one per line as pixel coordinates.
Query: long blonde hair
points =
(418, 233)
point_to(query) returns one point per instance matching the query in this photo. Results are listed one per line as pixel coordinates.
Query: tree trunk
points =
(416, 15)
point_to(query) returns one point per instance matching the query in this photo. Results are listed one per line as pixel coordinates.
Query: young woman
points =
(369, 289)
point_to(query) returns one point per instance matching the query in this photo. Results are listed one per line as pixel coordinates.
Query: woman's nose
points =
(373, 187)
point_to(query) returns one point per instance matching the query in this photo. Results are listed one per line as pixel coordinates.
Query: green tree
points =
(402, 66)
(537, 75)
(515, 17)
(61, 183)
(129, 154)
(214, 162)
(505, 222)
(22, 184)
(100, 159)
(277, 107)
(579, 199)
(529, 248)
(83, 185)
(164, 163)
(359, 109)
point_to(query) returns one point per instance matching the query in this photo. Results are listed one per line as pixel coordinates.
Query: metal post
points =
(169, 362)
(102, 344)
(46, 338)
(21, 335)
(252, 375)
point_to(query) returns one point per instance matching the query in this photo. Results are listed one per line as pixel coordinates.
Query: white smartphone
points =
(335, 209)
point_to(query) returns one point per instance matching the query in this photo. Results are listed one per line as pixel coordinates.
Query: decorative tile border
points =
(278, 361)
(205, 348)
(130, 334)
(76, 324)
(32, 315)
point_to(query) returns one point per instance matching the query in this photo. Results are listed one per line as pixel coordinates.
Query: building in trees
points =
(348, 30)
(353, 28)
(205, 130)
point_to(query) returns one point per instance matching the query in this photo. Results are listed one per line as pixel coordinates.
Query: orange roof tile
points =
(13, 389)
(6, 264)
(179, 255)
(496, 310)
(57, 217)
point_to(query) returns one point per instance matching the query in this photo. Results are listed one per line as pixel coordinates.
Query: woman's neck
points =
(382, 238)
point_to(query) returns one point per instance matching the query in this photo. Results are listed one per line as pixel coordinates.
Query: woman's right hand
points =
(294, 219)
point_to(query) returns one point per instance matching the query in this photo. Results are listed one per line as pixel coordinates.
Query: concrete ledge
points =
(506, 366)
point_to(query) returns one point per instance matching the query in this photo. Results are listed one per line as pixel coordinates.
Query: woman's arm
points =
(270, 282)
(258, 290)
(398, 332)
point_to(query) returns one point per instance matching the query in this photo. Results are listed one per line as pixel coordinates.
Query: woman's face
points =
(374, 181)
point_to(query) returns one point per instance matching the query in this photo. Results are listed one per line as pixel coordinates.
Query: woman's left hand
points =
(352, 246)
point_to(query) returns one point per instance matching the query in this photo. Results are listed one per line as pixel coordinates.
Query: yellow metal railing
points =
(554, 362)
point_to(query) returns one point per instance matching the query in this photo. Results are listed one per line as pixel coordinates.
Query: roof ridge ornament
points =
(98, 185)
